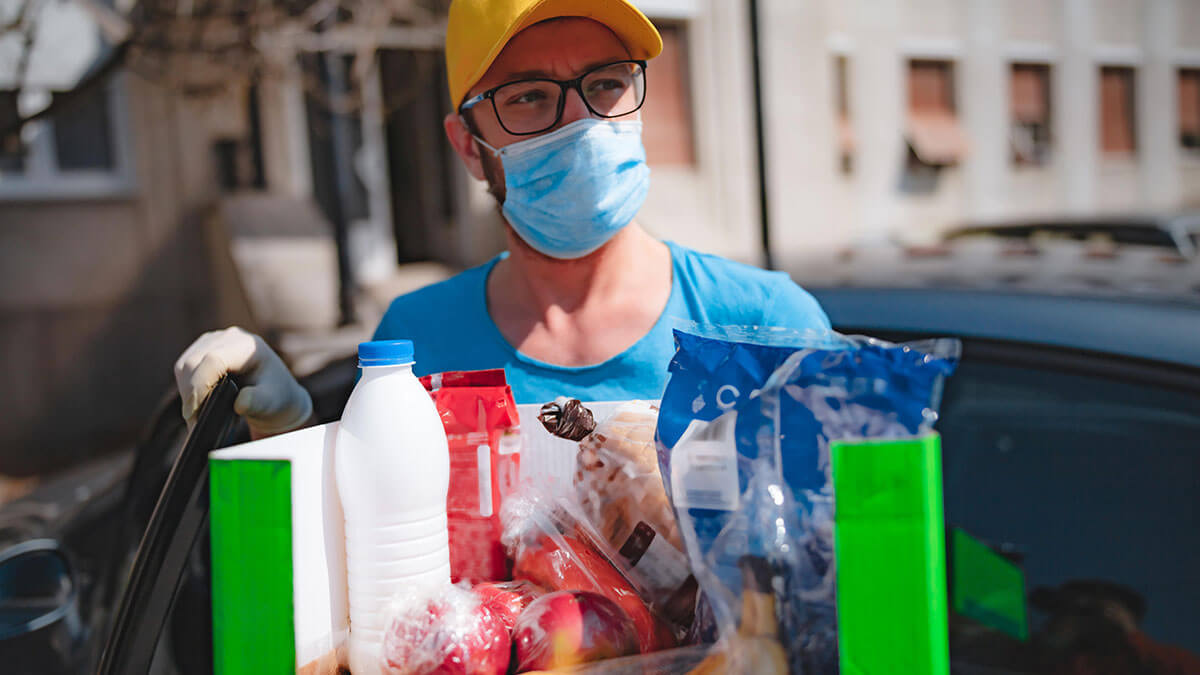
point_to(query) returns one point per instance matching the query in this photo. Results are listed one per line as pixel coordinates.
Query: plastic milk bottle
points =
(393, 472)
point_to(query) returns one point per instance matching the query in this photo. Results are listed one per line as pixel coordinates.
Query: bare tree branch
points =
(199, 47)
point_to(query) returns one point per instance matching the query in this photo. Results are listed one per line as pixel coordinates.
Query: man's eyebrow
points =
(544, 75)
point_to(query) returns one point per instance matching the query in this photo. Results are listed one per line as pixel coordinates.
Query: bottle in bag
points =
(392, 466)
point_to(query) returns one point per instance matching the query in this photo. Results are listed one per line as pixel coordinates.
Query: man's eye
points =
(526, 97)
(607, 85)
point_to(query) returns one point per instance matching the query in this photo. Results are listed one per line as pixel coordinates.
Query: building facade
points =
(883, 119)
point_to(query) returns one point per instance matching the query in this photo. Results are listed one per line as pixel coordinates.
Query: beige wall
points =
(98, 296)
(933, 18)
(1117, 22)
(1033, 21)
(1189, 18)
(1190, 179)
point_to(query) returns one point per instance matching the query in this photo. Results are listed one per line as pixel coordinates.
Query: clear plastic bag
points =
(553, 546)
(744, 435)
(621, 494)
(449, 632)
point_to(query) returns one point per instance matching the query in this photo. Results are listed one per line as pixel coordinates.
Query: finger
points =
(201, 381)
(191, 357)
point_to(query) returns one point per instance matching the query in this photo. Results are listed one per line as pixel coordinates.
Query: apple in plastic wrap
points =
(507, 599)
(577, 566)
(453, 633)
(566, 628)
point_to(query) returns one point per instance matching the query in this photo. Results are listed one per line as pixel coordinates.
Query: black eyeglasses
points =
(525, 107)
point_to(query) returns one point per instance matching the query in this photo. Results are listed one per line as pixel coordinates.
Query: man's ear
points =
(464, 144)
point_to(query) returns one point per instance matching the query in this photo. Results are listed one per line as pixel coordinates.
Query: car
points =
(1178, 233)
(1069, 450)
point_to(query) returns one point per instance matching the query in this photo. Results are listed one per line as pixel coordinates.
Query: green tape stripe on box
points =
(251, 524)
(987, 587)
(891, 557)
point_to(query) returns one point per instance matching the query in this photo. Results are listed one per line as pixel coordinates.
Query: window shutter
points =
(1189, 103)
(1116, 110)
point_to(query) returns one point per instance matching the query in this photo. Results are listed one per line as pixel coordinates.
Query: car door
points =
(1083, 470)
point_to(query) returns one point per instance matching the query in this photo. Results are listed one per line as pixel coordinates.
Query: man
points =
(584, 300)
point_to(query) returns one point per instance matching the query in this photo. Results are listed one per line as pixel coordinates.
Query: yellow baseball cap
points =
(477, 30)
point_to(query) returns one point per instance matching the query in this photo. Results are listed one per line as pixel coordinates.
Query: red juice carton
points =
(483, 431)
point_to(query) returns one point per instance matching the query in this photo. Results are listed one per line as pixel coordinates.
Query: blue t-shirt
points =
(451, 329)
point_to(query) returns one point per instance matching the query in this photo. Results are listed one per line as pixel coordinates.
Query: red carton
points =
(483, 431)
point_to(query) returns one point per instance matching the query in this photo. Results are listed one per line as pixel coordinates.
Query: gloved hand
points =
(270, 399)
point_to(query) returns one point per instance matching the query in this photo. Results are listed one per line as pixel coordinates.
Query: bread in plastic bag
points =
(620, 491)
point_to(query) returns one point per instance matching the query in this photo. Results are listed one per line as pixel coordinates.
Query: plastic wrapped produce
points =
(744, 434)
(448, 632)
(508, 598)
(620, 492)
(566, 628)
(556, 549)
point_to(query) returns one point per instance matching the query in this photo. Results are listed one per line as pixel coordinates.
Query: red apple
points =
(453, 634)
(507, 598)
(565, 628)
(579, 566)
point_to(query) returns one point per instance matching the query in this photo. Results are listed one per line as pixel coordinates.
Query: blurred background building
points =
(176, 166)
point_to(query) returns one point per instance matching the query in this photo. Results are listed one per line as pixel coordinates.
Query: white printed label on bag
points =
(662, 566)
(704, 471)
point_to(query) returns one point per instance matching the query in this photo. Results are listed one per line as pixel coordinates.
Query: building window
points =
(1189, 108)
(1030, 92)
(77, 151)
(934, 134)
(845, 131)
(667, 112)
(12, 150)
(1117, 135)
(83, 133)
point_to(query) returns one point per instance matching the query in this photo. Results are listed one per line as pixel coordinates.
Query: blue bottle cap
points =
(385, 353)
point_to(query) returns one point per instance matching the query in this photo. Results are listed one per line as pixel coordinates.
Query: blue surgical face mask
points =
(570, 191)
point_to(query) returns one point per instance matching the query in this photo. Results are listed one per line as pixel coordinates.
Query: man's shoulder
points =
(706, 268)
(735, 292)
(445, 300)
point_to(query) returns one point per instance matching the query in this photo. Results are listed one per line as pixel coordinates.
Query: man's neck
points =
(578, 312)
(538, 283)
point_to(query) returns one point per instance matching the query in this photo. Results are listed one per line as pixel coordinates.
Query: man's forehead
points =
(550, 48)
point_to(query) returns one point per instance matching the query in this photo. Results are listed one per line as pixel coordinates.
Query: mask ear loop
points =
(471, 128)
(495, 151)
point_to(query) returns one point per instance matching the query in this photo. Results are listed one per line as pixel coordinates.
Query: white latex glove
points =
(270, 399)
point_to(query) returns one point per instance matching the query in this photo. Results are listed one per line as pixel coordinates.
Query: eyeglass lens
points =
(530, 106)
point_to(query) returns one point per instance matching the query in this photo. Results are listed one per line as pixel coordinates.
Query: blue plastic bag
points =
(743, 446)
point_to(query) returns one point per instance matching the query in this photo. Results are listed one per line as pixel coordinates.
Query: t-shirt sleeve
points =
(787, 305)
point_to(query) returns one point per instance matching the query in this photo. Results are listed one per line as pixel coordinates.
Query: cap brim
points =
(632, 27)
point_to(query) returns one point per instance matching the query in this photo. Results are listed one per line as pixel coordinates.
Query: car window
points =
(1091, 484)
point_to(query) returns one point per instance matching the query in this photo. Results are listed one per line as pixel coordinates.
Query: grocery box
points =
(278, 556)
(278, 546)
